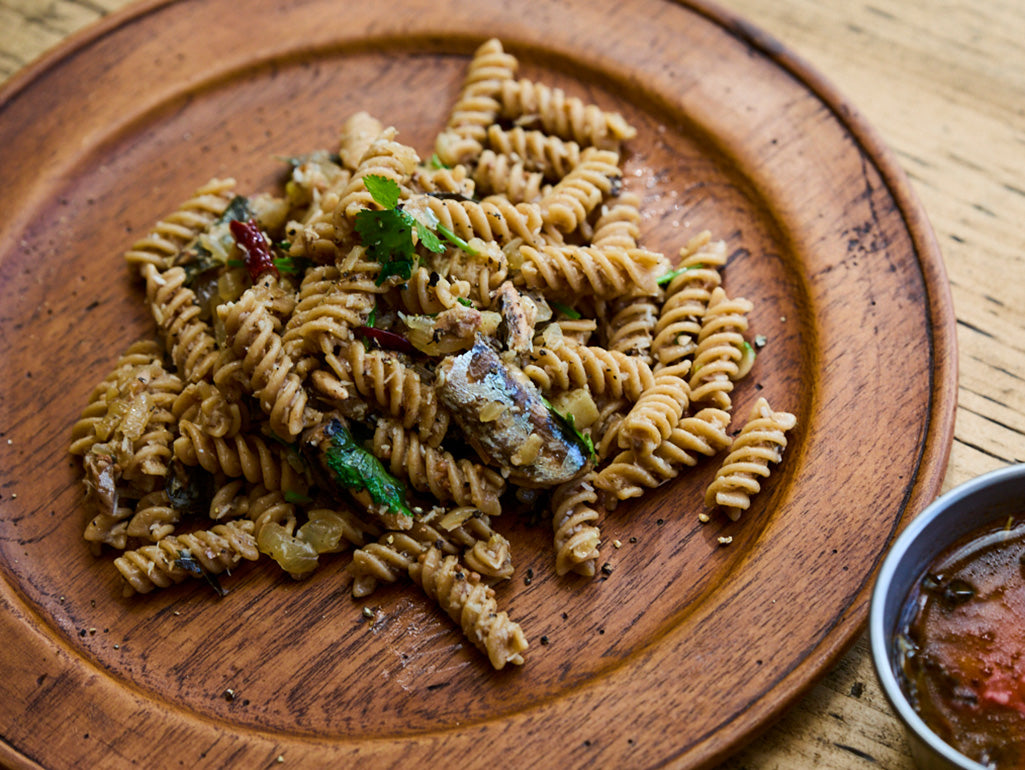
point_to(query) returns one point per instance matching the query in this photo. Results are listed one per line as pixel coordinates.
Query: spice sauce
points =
(963, 652)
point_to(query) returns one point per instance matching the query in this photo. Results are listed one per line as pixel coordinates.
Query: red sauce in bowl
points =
(962, 652)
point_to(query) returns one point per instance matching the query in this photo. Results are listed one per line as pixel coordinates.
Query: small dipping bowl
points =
(960, 512)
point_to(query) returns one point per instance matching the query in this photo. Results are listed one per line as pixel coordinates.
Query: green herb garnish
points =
(569, 422)
(668, 277)
(388, 234)
(464, 301)
(566, 310)
(355, 468)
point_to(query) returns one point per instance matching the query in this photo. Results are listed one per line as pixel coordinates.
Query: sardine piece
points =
(519, 314)
(506, 420)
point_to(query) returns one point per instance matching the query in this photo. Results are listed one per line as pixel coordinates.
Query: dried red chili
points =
(385, 338)
(249, 238)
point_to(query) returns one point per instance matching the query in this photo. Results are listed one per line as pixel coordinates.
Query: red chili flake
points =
(386, 339)
(254, 246)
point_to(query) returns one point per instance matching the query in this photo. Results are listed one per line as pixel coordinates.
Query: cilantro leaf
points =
(386, 192)
(389, 239)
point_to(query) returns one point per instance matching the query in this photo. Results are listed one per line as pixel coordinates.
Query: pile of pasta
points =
(196, 447)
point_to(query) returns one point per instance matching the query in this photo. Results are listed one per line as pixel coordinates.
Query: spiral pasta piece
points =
(244, 455)
(316, 237)
(428, 293)
(565, 116)
(720, 350)
(251, 334)
(433, 470)
(385, 158)
(108, 527)
(500, 174)
(576, 534)
(629, 325)
(594, 179)
(658, 410)
(187, 337)
(686, 299)
(628, 474)
(399, 391)
(619, 224)
(329, 307)
(172, 233)
(568, 270)
(761, 442)
(207, 406)
(123, 403)
(468, 601)
(603, 372)
(160, 565)
(485, 269)
(355, 136)
(454, 180)
(547, 155)
(477, 105)
(154, 517)
(494, 218)
(384, 561)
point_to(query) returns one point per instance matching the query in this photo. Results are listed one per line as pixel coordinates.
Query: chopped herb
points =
(356, 468)
(291, 265)
(569, 421)
(566, 310)
(372, 318)
(298, 498)
(464, 301)
(388, 234)
(668, 277)
(436, 162)
(187, 562)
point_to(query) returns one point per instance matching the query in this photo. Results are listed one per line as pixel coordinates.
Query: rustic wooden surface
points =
(943, 83)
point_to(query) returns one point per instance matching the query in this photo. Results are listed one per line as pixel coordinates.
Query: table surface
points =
(943, 81)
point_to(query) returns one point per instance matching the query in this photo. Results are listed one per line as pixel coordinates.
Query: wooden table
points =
(944, 83)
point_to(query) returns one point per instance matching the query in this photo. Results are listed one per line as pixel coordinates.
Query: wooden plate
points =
(683, 649)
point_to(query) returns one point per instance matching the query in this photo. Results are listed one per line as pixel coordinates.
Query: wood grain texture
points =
(944, 89)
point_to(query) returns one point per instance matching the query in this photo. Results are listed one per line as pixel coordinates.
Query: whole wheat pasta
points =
(565, 116)
(543, 153)
(568, 270)
(759, 444)
(252, 335)
(657, 412)
(507, 175)
(373, 362)
(162, 564)
(604, 372)
(154, 517)
(577, 535)
(188, 338)
(430, 469)
(686, 299)
(171, 234)
(570, 201)
(720, 349)
(477, 105)
(471, 603)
